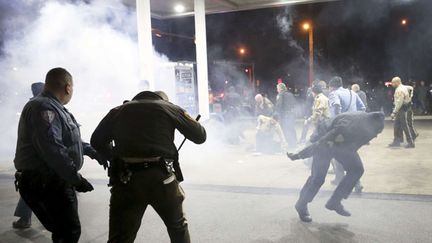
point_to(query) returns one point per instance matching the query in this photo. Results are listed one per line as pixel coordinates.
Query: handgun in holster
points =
(177, 171)
(172, 166)
(118, 172)
(17, 182)
(168, 165)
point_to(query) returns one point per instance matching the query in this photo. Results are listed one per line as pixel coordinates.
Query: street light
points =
(242, 51)
(308, 27)
(404, 24)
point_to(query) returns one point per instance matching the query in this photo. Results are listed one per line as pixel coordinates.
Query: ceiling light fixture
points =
(179, 8)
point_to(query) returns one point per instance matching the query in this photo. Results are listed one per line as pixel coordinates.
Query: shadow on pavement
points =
(32, 235)
(315, 233)
(321, 232)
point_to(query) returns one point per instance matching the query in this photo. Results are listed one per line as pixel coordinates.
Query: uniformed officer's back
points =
(145, 168)
(145, 127)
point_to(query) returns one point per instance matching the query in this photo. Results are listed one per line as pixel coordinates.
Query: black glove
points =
(93, 154)
(84, 186)
(101, 160)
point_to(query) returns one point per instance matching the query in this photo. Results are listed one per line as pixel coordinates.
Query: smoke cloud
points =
(96, 42)
(284, 22)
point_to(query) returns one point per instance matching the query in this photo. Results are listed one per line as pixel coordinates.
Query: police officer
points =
(49, 155)
(320, 109)
(144, 168)
(402, 114)
(263, 106)
(339, 138)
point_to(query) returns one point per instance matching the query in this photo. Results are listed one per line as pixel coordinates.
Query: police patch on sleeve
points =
(48, 116)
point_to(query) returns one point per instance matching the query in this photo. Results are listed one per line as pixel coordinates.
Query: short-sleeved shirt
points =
(346, 100)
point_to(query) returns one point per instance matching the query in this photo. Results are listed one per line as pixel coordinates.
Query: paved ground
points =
(235, 196)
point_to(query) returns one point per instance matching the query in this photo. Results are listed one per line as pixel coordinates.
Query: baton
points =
(184, 140)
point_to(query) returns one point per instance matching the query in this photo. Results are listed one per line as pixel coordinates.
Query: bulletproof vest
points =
(71, 134)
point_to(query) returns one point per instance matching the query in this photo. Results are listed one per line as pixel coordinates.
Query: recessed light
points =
(179, 8)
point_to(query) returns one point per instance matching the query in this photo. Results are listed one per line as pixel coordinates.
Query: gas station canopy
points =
(164, 9)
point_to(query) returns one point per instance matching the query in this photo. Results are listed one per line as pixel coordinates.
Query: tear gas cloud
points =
(96, 42)
(285, 23)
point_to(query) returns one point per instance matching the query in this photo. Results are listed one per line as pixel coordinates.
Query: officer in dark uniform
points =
(144, 168)
(49, 155)
(339, 138)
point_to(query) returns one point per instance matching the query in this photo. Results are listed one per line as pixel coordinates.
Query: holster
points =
(117, 172)
(177, 171)
(17, 182)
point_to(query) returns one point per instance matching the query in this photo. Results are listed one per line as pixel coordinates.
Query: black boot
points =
(303, 212)
(338, 208)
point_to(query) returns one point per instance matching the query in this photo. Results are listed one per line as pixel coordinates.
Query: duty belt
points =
(137, 164)
(138, 160)
(143, 166)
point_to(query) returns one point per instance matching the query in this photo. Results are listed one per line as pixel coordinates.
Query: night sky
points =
(361, 41)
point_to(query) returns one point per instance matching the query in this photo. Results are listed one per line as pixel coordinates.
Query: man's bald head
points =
(396, 81)
(355, 88)
(259, 98)
(58, 81)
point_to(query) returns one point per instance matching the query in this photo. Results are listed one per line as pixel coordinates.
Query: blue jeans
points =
(23, 211)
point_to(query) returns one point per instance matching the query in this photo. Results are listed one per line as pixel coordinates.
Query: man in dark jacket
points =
(339, 138)
(49, 155)
(285, 111)
(145, 163)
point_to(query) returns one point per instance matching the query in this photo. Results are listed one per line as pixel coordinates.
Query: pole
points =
(145, 45)
(311, 56)
(201, 58)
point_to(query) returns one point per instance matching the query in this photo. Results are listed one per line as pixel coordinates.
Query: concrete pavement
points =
(236, 196)
(227, 215)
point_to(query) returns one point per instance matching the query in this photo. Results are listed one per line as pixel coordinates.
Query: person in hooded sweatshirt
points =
(22, 210)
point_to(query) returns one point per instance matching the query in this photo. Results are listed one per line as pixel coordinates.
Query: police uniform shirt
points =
(144, 127)
(268, 124)
(402, 96)
(49, 139)
(320, 108)
(265, 108)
